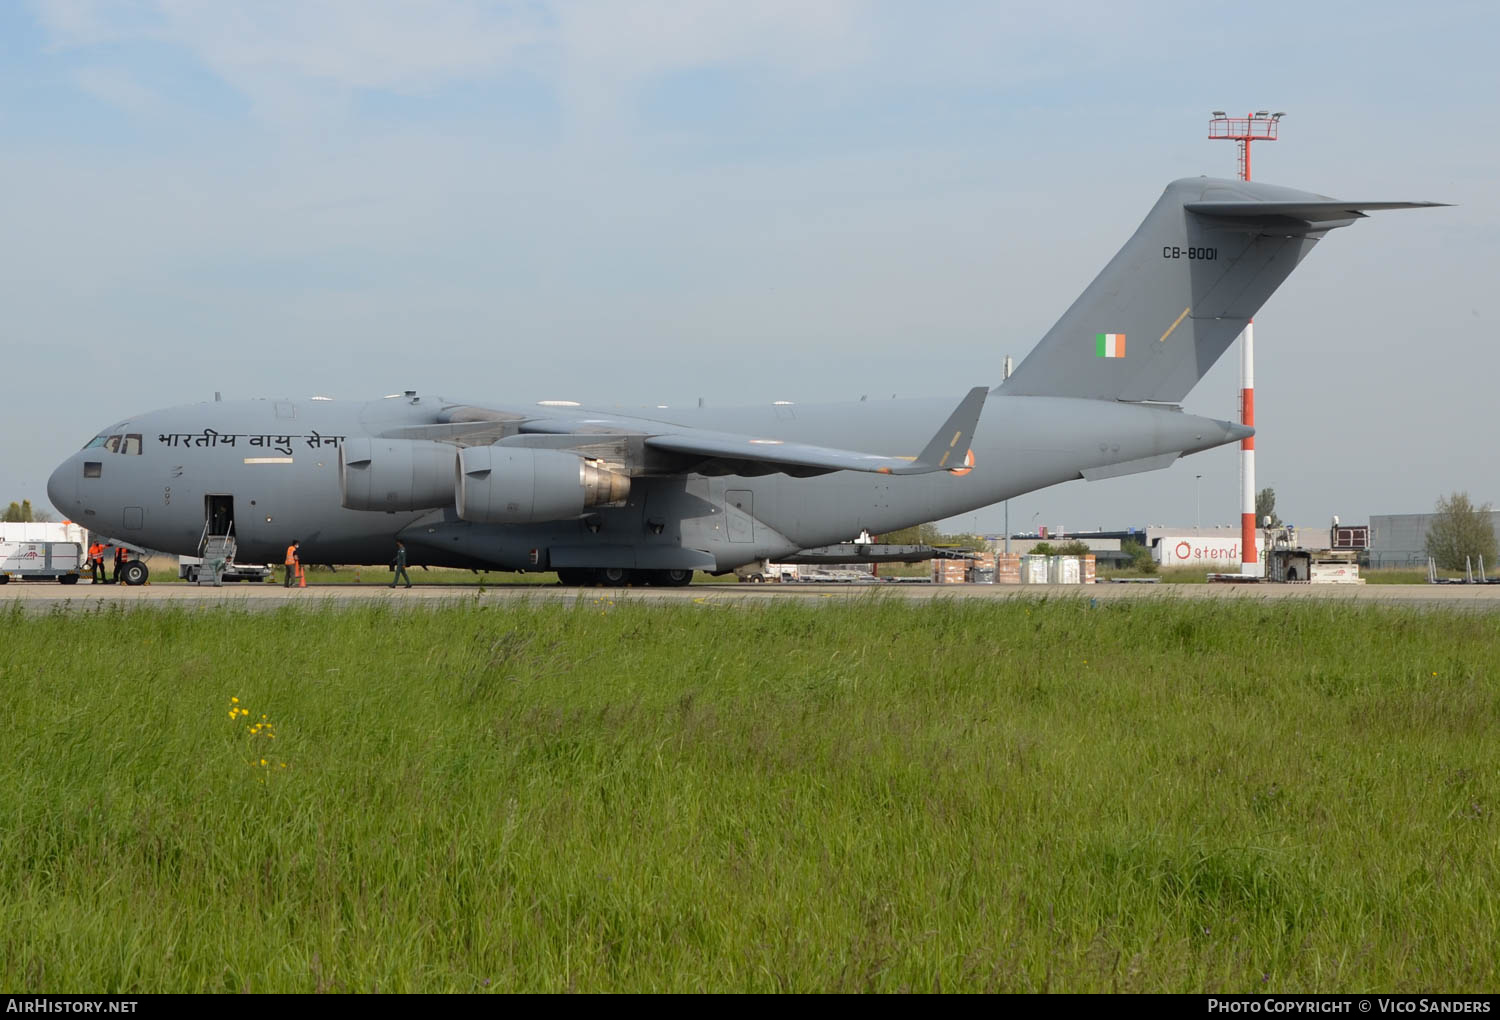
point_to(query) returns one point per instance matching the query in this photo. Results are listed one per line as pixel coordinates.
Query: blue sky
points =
(653, 202)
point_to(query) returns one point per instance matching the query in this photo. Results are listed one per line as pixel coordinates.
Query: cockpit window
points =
(128, 443)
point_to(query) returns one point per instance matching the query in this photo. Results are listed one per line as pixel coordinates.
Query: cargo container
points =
(1034, 570)
(1064, 570)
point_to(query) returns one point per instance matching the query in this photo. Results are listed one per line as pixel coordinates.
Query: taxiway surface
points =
(45, 597)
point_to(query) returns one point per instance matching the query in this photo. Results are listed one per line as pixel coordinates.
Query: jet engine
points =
(499, 485)
(395, 474)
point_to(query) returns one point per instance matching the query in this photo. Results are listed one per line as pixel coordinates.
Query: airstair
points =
(217, 552)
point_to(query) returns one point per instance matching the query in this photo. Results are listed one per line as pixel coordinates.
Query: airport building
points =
(1400, 540)
(1216, 548)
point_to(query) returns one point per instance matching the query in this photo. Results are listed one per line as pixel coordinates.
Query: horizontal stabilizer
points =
(1313, 212)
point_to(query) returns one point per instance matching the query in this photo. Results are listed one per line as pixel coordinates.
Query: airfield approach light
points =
(1220, 113)
(1263, 113)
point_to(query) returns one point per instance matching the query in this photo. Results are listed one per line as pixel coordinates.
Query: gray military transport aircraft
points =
(603, 495)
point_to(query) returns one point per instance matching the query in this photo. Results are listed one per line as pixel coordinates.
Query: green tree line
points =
(22, 513)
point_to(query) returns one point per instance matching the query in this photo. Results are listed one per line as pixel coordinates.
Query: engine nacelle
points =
(395, 474)
(501, 485)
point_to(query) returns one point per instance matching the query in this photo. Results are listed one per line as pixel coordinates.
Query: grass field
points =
(847, 796)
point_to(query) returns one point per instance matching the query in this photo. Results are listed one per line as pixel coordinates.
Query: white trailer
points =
(40, 561)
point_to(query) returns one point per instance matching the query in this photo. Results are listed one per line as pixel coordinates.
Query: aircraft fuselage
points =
(274, 466)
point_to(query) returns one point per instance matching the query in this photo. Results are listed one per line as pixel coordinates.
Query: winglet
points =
(946, 450)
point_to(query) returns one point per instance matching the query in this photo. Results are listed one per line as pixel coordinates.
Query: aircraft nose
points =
(1234, 433)
(60, 487)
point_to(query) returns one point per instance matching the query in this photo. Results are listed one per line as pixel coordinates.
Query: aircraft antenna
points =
(1260, 126)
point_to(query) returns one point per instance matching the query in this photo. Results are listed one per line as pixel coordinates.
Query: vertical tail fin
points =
(1170, 302)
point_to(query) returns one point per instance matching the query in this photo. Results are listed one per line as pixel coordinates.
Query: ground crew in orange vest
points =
(96, 562)
(293, 564)
(121, 558)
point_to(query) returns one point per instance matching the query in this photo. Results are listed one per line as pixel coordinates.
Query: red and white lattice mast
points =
(1256, 127)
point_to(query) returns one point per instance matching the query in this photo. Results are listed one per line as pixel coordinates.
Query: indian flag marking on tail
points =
(1109, 345)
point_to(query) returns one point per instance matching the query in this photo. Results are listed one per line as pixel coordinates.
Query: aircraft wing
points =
(944, 451)
(609, 434)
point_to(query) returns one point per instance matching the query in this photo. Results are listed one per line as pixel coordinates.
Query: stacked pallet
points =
(982, 568)
(946, 571)
(1007, 568)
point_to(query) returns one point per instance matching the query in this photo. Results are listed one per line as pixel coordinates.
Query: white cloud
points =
(118, 88)
(280, 52)
(358, 44)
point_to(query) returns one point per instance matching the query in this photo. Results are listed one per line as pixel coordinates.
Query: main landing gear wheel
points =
(671, 578)
(135, 573)
(575, 578)
(613, 577)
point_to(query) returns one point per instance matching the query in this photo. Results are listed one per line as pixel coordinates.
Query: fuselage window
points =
(112, 444)
(132, 444)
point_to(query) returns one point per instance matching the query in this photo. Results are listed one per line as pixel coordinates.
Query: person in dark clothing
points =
(122, 557)
(399, 565)
(96, 562)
